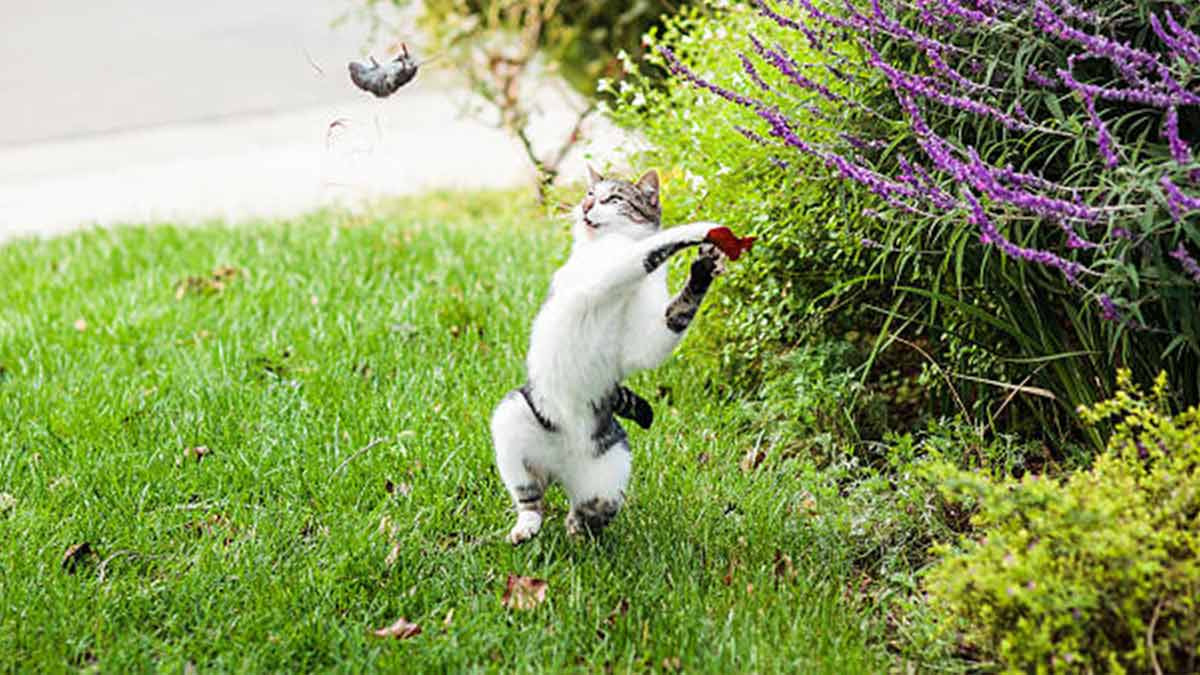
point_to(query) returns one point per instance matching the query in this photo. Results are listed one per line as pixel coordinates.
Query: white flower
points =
(626, 62)
(638, 100)
(603, 84)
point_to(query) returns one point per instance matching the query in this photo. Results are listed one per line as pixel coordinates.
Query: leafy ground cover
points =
(248, 448)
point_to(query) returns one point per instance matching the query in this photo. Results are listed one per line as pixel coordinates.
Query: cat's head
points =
(618, 207)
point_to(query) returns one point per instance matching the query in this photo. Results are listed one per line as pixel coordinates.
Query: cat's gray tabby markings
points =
(683, 308)
(593, 515)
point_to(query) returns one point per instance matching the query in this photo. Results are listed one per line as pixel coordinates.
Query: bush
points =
(1032, 208)
(1100, 572)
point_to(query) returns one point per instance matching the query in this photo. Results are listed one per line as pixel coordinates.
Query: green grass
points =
(402, 329)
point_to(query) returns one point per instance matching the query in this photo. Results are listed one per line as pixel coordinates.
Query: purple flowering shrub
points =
(1034, 165)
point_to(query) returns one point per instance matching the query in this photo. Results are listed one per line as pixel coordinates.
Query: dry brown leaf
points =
(210, 285)
(617, 612)
(401, 630)
(197, 453)
(75, 555)
(80, 325)
(784, 569)
(702, 458)
(524, 592)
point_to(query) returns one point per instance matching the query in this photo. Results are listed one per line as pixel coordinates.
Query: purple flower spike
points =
(901, 81)
(1176, 45)
(1039, 79)
(681, 70)
(753, 73)
(1185, 36)
(1103, 139)
(952, 8)
(989, 235)
(1129, 60)
(1108, 309)
(1190, 266)
(1177, 202)
(1179, 149)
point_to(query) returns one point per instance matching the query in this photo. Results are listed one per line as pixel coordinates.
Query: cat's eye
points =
(610, 199)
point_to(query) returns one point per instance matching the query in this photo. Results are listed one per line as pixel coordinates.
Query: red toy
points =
(729, 243)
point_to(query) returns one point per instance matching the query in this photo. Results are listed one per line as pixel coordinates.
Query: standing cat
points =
(608, 315)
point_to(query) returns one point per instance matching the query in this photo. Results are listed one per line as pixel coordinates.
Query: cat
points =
(608, 314)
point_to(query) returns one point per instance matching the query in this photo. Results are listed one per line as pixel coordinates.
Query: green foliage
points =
(582, 40)
(1098, 572)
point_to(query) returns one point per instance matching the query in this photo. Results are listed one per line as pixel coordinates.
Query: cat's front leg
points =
(664, 326)
(709, 264)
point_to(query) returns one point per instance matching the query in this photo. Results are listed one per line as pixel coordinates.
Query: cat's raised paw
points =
(711, 253)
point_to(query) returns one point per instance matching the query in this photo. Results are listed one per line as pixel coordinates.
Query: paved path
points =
(144, 110)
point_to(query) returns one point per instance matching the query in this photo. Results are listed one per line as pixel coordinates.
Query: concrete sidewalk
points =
(143, 111)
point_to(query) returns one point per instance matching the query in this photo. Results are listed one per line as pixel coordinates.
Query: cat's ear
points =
(648, 184)
(593, 177)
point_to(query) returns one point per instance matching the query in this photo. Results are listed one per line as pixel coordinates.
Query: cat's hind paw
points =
(528, 524)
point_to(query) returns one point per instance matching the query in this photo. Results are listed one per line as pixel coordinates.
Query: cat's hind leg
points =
(596, 486)
(521, 437)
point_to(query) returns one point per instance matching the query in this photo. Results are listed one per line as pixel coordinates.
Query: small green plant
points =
(1097, 573)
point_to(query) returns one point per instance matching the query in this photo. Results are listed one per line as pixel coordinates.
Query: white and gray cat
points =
(608, 315)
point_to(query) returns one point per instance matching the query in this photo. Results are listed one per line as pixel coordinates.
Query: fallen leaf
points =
(401, 630)
(7, 503)
(524, 592)
(404, 489)
(784, 569)
(752, 459)
(449, 618)
(209, 285)
(197, 453)
(617, 612)
(75, 555)
(702, 458)
(672, 664)
(80, 325)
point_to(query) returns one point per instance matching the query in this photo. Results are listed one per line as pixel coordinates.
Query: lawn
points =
(273, 440)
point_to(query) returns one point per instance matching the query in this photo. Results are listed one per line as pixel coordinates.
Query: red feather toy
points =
(729, 243)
